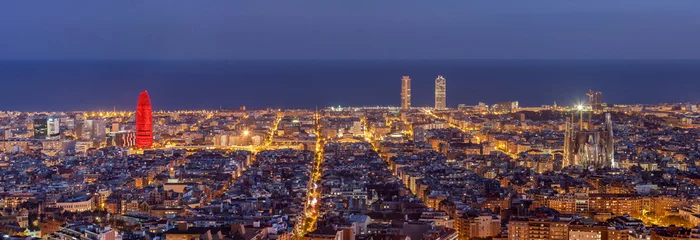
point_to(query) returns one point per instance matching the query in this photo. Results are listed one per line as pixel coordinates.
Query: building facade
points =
(41, 128)
(406, 92)
(144, 121)
(440, 93)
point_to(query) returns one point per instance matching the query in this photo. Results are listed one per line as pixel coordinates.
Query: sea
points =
(258, 84)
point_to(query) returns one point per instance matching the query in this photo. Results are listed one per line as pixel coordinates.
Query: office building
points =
(95, 129)
(505, 107)
(41, 128)
(144, 121)
(53, 127)
(406, 92)
(121, 139)
(440, 93)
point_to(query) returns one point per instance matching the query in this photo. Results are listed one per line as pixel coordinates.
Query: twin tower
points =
(440, 92)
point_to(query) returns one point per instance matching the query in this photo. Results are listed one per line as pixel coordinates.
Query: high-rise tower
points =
(144, 121)
(595, 99)
(406, 92)
(41, 128)
(440, 93)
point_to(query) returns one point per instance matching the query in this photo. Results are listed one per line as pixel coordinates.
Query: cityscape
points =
(350, 120)
(594, 170)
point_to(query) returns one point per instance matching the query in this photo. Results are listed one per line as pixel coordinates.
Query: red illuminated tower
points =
(144, 121)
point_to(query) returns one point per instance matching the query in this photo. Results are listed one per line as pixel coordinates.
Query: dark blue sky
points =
(349, 29)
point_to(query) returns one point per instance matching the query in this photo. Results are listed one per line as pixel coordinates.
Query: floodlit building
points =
(440, 93)
(144, 121)
(41, 128)
(590, 148)
(406, 92)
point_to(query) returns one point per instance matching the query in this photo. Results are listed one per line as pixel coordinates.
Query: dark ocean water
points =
(84, 85)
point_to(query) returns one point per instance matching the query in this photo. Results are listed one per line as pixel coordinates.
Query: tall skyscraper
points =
(46, 128)
(53, 128)
(41, 128)
(440, 93)
(97, 129)
(595, 99)
(406, 92)
(144, 121)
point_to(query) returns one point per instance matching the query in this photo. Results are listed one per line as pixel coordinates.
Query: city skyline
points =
(104, 86)
(335, 120)
(577, 172)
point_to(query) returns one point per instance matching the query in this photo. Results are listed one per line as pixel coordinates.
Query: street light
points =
(245, 133)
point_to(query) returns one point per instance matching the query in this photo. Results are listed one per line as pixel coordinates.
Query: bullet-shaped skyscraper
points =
(144, 121)
(406, 92)
(440, 93)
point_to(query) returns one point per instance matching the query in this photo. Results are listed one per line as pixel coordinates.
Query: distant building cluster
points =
(440, 92)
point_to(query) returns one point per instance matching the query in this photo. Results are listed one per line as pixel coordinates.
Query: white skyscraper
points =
(440, 93)
(53, 128)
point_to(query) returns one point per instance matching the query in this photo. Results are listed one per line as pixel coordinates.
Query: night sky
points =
(91, 54)
(357, 29)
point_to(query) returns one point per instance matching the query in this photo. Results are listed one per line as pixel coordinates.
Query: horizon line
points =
(343, 59)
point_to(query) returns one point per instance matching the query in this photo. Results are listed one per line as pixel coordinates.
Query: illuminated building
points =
(505, 107)
(96, 129)
(584, 230)
(588, 232)
(611, 140)
(538, 228)
(79, 203)
(674, 233)
(84, 231)
(440, 93)
(617, 204)
(53, 128)
(567, 141)
(405, 92)
(477, 226)
(590, 148)
(144, 121)
(41, 130)
(121, 139)
(46, 128)
(595, 99)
